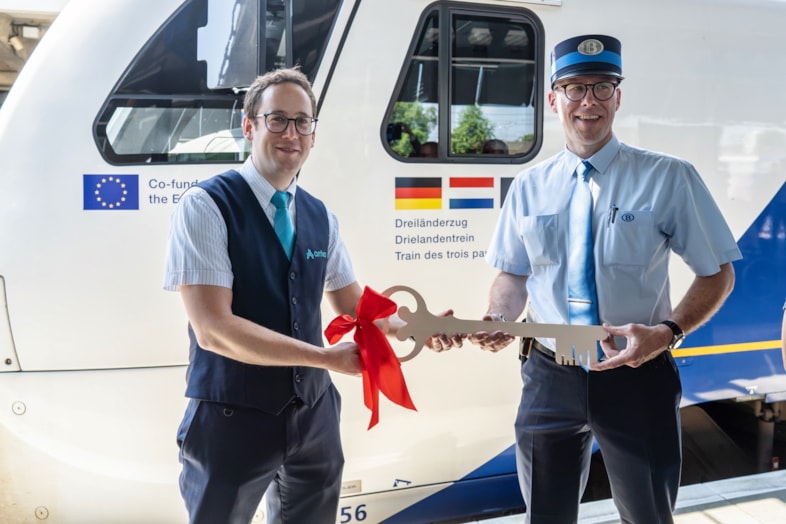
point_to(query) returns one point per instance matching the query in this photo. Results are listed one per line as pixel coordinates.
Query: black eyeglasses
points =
(278, 123)
(601, 91)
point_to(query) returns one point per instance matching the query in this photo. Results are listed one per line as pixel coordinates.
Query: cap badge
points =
(591, 46)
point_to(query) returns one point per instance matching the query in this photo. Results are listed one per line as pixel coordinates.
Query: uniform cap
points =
(586, 55)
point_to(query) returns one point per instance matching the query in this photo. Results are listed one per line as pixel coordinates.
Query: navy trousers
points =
(232, 456)
(633, 414)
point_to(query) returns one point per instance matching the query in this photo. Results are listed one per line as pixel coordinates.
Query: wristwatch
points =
(677, 337)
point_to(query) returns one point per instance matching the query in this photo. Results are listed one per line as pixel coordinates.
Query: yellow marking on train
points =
(727, 348)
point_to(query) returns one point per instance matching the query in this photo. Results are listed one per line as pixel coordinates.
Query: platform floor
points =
(755, 499)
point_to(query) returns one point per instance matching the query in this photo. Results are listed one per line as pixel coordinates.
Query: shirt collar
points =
(602, 159)
(262, 189)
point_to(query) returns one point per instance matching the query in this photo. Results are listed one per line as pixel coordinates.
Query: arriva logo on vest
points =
(315, 254)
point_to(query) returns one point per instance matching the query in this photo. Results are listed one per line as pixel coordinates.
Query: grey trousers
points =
(634, 416)
(232, 456)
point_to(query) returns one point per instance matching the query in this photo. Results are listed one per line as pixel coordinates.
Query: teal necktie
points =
(282, 223)
(582, 296)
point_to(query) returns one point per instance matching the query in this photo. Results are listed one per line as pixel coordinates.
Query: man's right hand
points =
(344, 357)
(488, 341)
(493, 341)
(439, 342)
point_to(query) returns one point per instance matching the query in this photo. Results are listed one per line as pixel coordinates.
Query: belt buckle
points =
(525, 347)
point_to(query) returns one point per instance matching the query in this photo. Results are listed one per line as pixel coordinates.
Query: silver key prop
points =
(576, 345)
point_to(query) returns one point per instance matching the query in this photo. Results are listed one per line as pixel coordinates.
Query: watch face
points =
(676, 341)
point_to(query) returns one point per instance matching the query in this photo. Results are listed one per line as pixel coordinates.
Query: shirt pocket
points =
(630, 238)
(539, 235)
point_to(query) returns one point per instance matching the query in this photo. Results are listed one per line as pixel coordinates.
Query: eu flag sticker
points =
(111, 192)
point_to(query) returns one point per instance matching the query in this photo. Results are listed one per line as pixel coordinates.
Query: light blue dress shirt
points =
(646, 205)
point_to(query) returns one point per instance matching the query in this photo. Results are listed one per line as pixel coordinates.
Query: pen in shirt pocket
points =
(612, 214)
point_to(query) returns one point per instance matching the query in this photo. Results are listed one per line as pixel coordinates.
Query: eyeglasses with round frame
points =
(278, 123)
(576, 92)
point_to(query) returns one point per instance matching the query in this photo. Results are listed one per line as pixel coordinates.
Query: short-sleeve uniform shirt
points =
(646, 205)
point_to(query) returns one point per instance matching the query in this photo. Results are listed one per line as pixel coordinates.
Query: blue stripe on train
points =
(491, 488)
(752, 313)
(753, 310)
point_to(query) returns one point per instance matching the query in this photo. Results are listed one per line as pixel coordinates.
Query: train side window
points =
(412, 125)
(471, 88)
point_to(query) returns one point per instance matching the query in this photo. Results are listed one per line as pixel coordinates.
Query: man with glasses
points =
(251, 253)
(639, 206)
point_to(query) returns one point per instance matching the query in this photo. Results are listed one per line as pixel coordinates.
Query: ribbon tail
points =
(370, 385)
(389, 375)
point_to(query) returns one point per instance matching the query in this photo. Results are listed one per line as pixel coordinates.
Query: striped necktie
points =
(582, 296)
(282, 223)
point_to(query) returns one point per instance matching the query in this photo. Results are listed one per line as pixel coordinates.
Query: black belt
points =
(528, 344)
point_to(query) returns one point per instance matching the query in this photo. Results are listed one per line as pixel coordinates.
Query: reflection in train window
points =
(470, 90)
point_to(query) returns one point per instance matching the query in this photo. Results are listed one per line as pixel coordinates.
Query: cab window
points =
(470, 90)
(180, 100)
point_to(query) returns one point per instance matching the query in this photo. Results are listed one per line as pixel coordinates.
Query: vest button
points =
(292, 275)
(296, 326)
(294, 300)
(298, 378)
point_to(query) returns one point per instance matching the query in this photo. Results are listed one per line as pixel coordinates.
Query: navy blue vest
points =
(271, 291)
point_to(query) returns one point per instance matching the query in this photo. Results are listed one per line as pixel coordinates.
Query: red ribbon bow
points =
(381, 368)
